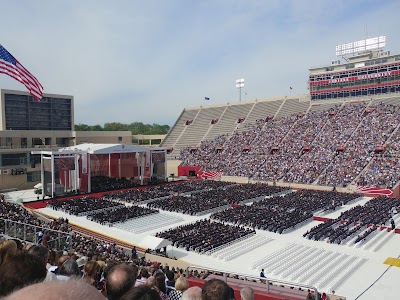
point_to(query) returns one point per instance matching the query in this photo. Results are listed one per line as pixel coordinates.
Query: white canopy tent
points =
(77, 163)
(154, 243)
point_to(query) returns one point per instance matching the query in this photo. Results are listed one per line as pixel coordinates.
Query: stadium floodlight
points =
(240, 85)
(361, 46)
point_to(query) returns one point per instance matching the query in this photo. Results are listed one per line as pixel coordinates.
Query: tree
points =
(135, 128)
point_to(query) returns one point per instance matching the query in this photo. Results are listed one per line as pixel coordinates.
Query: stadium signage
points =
(361, 77)
(376, 75)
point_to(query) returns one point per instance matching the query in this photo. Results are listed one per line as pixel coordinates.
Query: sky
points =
(145, 61)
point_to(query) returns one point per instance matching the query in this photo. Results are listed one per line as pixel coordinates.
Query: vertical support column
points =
(119, 165)
(89, 170)
(42, 174)
(109, 165)
(142, 162)
(151, 164)
(53, 177)
(165, 165)
(76, 173)
(67, 180)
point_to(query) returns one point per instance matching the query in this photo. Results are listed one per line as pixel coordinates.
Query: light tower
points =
(240, 85)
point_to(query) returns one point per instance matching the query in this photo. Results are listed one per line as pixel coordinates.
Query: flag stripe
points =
(210, 175)
(29, 74)
(11, 71)
(374, 191)
(13, 68)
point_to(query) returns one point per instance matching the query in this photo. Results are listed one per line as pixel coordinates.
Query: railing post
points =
(267, 286)
(35, 237)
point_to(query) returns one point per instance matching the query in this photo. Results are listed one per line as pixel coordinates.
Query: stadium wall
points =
(167, 261)
(172, 166)
(258, 294)
(184, 170)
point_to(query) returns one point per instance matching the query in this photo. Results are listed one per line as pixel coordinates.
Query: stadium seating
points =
(148, 223)
(242, 247)
(334, 144)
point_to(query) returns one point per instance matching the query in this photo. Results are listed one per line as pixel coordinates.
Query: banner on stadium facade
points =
(84, 163)
(147, 159)
(158, 157)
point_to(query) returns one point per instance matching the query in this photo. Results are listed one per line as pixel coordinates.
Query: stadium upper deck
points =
(366, 74)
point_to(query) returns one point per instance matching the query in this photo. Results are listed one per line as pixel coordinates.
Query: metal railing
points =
(269, 282)
(34, 234)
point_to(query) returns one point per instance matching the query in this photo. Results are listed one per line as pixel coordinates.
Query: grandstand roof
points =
(105, 148)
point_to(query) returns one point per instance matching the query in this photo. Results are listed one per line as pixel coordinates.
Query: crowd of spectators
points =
(204, 235)
(29, 272)
(48, 230)
(164, 190)
(278, 214)
(373, 131)
(377, 211)
(327, 147)
(356, 221)
(196, 203)
(383, 170)
(82, 205)
(340, 124)
(105, 183)
(120, 214)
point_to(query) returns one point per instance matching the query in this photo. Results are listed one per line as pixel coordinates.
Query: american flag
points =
(209, 175)
(374, 191)
(11, 67)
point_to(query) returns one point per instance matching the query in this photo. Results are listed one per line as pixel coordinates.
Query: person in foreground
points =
(57, 290)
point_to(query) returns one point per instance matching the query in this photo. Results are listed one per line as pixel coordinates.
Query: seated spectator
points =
(160, 286)
(43, 254)
(120, 279)
(181, 285)
(215, 289)
(92, 274)
(170, 282)
(69, 270)
(8, 248)
(66, 290)
(192, 293)
(247, 293)
(19, 271)
(150, 281)
(144, 275)
(103, 279)
(142, 292)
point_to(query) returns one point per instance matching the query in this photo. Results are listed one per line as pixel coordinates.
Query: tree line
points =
(135, 128)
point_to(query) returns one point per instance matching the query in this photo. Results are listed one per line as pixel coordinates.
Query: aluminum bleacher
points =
(292, 106)
(229, 120)
(318, 267)
(195, 132)
(148, 223)
(242, 247)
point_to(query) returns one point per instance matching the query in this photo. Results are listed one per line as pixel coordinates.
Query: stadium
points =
(304, 189)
